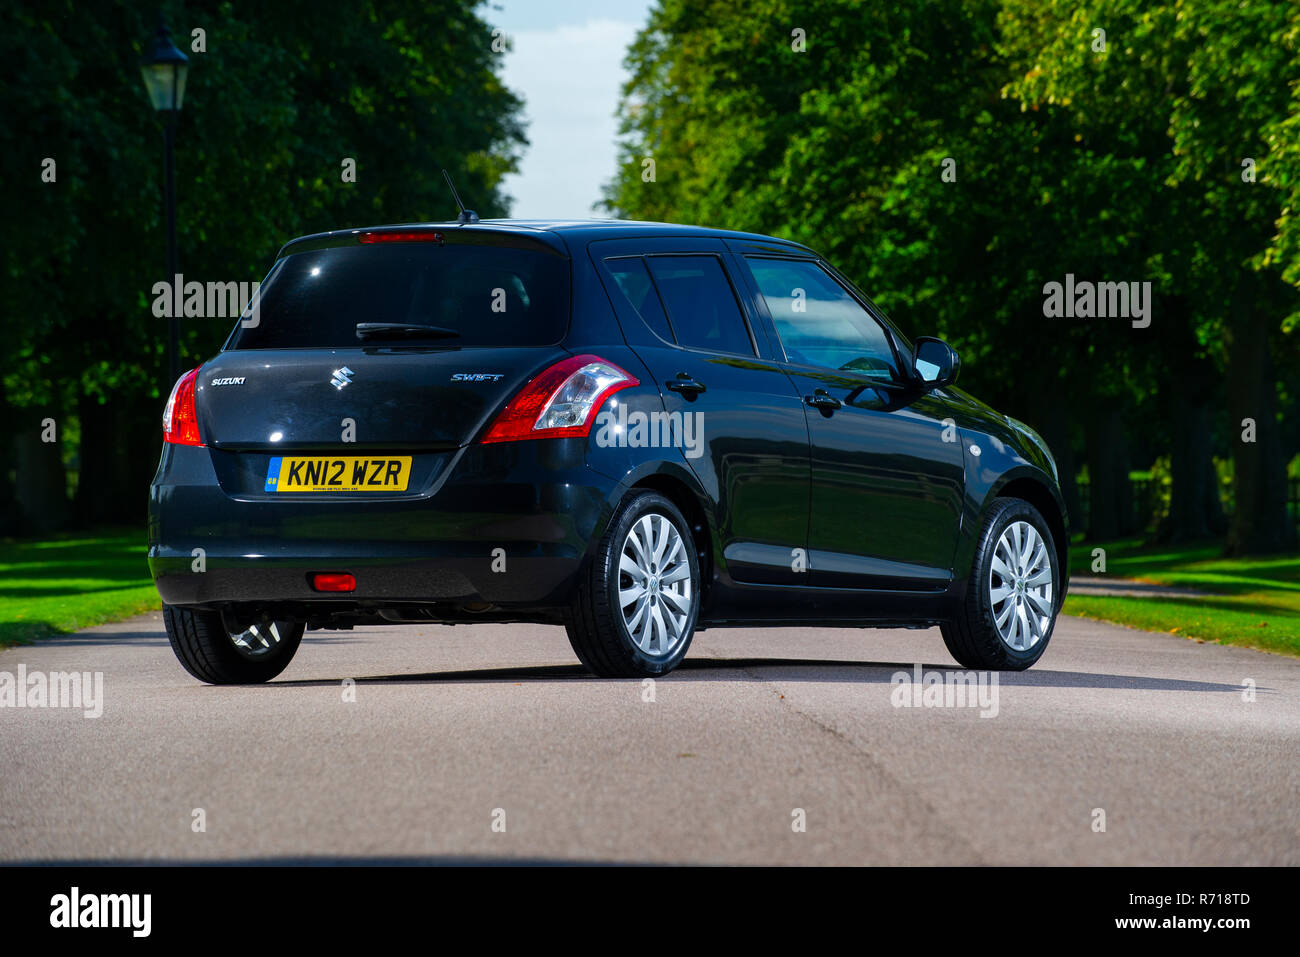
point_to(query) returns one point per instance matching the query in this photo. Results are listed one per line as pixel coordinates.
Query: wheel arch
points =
(688, 503)
(1037, 494)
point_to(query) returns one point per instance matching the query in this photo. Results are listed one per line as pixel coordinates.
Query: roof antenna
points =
(466, 215)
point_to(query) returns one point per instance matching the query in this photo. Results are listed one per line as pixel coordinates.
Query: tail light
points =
(561, 401)
(333, 581)
(180, 421)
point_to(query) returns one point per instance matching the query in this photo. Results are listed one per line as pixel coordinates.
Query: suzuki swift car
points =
(633, 430)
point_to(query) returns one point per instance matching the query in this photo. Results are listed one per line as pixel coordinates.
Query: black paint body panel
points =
(865, 515)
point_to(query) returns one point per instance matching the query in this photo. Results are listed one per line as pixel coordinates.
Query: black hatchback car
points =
(635, 430)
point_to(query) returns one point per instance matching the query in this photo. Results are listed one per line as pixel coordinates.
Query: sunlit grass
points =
(1253, 602)
(62, 584)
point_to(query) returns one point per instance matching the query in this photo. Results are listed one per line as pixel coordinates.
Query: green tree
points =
(283, 94)
(1204, 91)
(845, 147)
(1064, 162)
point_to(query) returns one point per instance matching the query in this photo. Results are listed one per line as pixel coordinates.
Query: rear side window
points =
(489, 295)
(700, 303)
(634, 280)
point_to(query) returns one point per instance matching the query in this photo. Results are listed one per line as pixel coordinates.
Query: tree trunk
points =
(11, 518)
(1110, 508)
(1194, 510)
(1189, 383)
(41, 487)
(118, 455)
(1260, 522)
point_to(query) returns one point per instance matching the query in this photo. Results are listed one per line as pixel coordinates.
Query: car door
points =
(678, 305)
(887, 470)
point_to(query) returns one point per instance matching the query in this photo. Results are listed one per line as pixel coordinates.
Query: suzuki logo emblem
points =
(340, 378)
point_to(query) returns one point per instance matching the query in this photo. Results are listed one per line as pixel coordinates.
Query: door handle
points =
(823, 400)
(685, 384)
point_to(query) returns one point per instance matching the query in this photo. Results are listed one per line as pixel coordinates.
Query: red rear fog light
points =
(333, 581)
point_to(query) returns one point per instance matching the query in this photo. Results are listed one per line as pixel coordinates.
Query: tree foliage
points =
(283, 94)
(1114, 164)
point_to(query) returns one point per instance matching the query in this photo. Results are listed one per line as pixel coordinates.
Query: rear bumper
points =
(508, 524)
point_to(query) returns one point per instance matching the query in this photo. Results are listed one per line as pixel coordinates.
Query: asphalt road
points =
(453, 729)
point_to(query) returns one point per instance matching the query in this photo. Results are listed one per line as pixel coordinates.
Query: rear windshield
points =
(489, 295)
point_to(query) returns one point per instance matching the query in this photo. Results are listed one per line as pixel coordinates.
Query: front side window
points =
(817, 320)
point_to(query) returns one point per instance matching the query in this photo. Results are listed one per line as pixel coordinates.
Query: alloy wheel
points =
(259, 639)
(1021, 587)
(655, 593)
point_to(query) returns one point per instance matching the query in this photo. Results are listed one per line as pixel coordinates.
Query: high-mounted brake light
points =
(421, 236)
(180, 421)
(562, 401)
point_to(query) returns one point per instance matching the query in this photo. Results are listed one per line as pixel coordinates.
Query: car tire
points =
(1006, 618)
(608, 635)
(209, 650)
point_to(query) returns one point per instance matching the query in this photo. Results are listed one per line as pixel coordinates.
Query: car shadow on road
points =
(156, 638)
(783, 669)
(341, 860)
(84, 638)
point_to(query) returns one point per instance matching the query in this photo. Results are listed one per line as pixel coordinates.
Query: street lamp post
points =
(164, 69)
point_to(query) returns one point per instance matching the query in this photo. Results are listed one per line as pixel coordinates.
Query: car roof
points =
(579, 231)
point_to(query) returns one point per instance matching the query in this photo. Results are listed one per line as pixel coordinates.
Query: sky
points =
(566, 63)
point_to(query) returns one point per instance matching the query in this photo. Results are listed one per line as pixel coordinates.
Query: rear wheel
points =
(215, 649)
(634, 611)
(1013, 595)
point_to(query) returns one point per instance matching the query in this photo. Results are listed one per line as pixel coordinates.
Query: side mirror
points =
(935, 363)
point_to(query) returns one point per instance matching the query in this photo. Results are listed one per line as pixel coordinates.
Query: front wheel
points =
(1013, 594)
(221, 652)
(634, 610)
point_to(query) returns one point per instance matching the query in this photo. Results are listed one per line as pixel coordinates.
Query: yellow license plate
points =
(346, 473)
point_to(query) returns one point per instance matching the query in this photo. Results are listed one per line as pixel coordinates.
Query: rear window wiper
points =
(403, 330)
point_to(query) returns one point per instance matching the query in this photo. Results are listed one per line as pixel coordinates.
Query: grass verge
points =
(65, 583)
(1252, 602)
(62, 584)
